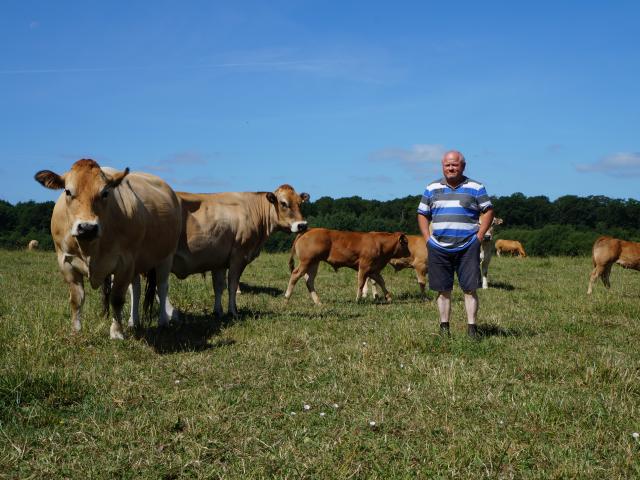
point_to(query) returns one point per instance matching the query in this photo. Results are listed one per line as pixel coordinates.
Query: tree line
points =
(565, 226)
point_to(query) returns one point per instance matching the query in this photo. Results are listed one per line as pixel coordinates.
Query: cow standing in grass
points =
(486, 252)
(513, 247)
(366, 252)
(112, 226)
(606, 252)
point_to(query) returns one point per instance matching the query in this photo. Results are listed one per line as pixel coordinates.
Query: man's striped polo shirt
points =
(454, 212)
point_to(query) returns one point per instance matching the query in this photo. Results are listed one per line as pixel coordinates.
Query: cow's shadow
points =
(502, 286)
(190, 334)
(492, 330)
(271, 291)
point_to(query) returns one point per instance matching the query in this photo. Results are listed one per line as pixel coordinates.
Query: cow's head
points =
(88, 192)
(287, 207)
(402, 246)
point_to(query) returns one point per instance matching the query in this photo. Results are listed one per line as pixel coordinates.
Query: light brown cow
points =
(510, 246)
(486, 252)
(366, 252)
(112, 223)
(416, 260)
(33, 245)
(609, 250)
(225, 231)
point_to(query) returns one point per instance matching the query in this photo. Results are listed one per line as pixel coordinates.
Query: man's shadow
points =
(502, 286)
(491, 330)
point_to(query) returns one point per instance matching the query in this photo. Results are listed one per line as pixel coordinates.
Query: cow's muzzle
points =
(86, 231)
(298, 227)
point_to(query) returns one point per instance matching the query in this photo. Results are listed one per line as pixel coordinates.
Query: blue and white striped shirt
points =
(454, 212)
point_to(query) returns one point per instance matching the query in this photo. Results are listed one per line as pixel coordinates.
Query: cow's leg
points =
(134, 294)
(374, 290)
(485, 258)
(310, 278)
(219, 284)
(167, 311)
(119, 288)
(598, 271)
(297, 272)
(421, 275)
(377, 277)
(362, 278)
(75, 281)
(235, 271)
(605, 275)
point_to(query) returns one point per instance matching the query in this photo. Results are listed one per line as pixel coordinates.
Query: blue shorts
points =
(443, 265)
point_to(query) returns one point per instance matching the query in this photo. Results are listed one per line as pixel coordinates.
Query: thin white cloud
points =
(195, 183)
(617, 164)
(187, 158)
(34, 24)
(419, 160)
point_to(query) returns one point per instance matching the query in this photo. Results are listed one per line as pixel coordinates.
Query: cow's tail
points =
(292, 264)
(150, 292)
(106, 295)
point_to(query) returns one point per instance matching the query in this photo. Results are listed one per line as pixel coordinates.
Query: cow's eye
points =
(104, 194)
(68, 192)
(283, 204)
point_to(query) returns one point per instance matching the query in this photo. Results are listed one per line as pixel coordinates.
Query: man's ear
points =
(272, 198)
(116, 178)
(49, 179)
(304, 196)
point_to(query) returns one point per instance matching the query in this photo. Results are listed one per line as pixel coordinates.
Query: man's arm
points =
(423, 224)
(485, 223)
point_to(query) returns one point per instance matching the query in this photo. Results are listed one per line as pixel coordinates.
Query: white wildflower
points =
(635, 435)
(306, 407)
(322, 414)
(372, 423)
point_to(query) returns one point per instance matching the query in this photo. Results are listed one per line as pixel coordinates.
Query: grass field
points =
(551, 391)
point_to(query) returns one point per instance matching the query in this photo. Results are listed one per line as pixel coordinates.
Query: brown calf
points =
(510, 246)
(609, 250)
(366, 252)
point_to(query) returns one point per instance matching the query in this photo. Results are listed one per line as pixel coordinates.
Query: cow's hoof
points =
(116, 333)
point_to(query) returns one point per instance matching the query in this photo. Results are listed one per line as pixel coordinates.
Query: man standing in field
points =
(452, 205)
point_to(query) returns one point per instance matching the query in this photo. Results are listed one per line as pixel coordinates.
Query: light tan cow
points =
(486, 252)
(112, 224)
(417, 260)
(609, 250)
(509, 246)
(366, 252)
(33, 245)
(225, 231)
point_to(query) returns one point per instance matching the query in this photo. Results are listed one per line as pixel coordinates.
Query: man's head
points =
(453, 164)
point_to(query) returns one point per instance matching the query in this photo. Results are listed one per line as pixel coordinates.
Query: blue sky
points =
(335, 98)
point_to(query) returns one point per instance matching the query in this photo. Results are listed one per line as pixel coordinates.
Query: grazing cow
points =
(112, 223)
(609, 250)
(509, 246)
(225, 231)
(416, 260)
(486, 252)
(33, 245)
(366, 252)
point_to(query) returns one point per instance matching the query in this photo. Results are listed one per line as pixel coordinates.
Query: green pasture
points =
(552, 390)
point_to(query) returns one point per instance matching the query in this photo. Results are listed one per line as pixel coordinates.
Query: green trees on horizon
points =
(566, 226)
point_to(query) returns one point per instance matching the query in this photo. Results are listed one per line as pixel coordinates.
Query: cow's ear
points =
(403, 239)
(116, 178)
(49, 179)
(272, 198)
(304, 196)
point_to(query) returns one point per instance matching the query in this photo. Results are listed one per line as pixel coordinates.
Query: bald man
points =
(452, 205)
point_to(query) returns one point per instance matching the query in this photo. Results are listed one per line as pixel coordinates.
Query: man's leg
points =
(444, 307)
(469, 279)
(440, 271)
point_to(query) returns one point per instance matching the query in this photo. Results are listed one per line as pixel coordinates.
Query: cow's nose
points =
(302, 227)
(87, 231)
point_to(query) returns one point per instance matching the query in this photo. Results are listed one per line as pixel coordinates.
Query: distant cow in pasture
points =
(416, 260)
(366, 252)
(486, 252)
(606, 252)
(510, 246)
(111, 226)
(33, 245)
(225, 231)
